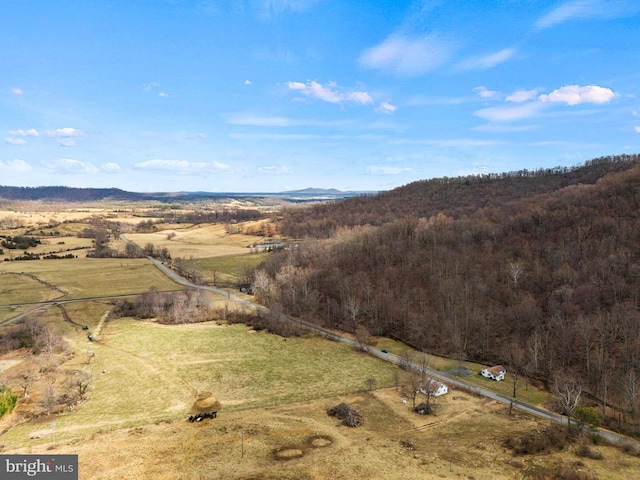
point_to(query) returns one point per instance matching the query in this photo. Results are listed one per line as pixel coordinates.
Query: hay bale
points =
(205, 404)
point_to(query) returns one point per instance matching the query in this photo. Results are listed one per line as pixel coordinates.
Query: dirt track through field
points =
(99, 327)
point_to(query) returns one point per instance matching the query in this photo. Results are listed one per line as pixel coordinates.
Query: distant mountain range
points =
(71, 194)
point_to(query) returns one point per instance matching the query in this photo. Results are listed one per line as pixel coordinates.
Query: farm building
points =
(434, 388)
(495, 373)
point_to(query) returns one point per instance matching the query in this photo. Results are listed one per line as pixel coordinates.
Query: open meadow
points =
(273, 422)
(86, 277)
(199, 241)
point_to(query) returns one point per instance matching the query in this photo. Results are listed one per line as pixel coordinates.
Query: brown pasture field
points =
(274, 392)
(92, 277)
(198, 241)
(273, 422)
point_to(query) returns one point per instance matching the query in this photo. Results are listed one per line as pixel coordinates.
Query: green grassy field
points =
(16, 288)
(226, 269)
(94, 277)
(145, 372)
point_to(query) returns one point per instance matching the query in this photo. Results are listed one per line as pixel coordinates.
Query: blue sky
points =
(274, 95)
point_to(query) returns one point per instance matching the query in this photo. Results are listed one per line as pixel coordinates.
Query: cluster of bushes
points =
(552, 438)
(35, 256)
(189, 306)
(271, 322)
(349, 415)
(19, 242)
(25, 256)
(53, 256)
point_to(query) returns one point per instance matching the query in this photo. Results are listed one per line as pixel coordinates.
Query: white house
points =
(434, 388)
(495, 373)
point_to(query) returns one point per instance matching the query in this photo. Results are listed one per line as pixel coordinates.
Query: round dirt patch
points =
(320, 441)
(288, 453)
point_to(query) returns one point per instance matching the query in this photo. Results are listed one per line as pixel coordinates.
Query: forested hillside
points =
(540, 272)
(67, 194)
(455, 197)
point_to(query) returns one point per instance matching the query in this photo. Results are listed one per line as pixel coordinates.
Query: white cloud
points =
(487, 61)
(576, 94)
(220, 166)
(170, 165)
(507, 114)
(407, 56)
(163, 94)
(65, 136)
(247, 82)
(70, 165)
(110, 167)
(274, 169)
(12, 140)
(32, 132)
(386, 107)
(182, 167)
(637, 129)
(330, 93)
(17, 91)
(484, 92)
(15, 166)
(382, 170)
(583, 9)
(522, 96)
(66, 132)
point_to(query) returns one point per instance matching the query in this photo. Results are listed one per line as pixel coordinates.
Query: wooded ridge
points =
(539, 271)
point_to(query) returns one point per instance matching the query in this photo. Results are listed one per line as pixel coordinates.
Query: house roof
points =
(497, 370)
(431, 385)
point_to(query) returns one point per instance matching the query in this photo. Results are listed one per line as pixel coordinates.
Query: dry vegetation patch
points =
(94, 277)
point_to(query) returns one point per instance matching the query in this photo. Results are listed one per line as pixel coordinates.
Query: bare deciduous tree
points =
(568, 391)
(406, 360)
(363, 338)
(515, 270)
(81, 382)
(49, 399)
(26, 380)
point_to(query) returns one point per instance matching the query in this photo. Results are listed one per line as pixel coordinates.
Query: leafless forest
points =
(539, 271)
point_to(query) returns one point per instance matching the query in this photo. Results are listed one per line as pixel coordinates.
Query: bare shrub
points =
(349, 415)
(585, 451)
(552, 438)
(565, 472)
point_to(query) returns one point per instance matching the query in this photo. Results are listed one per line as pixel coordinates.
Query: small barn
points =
(496, 373)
